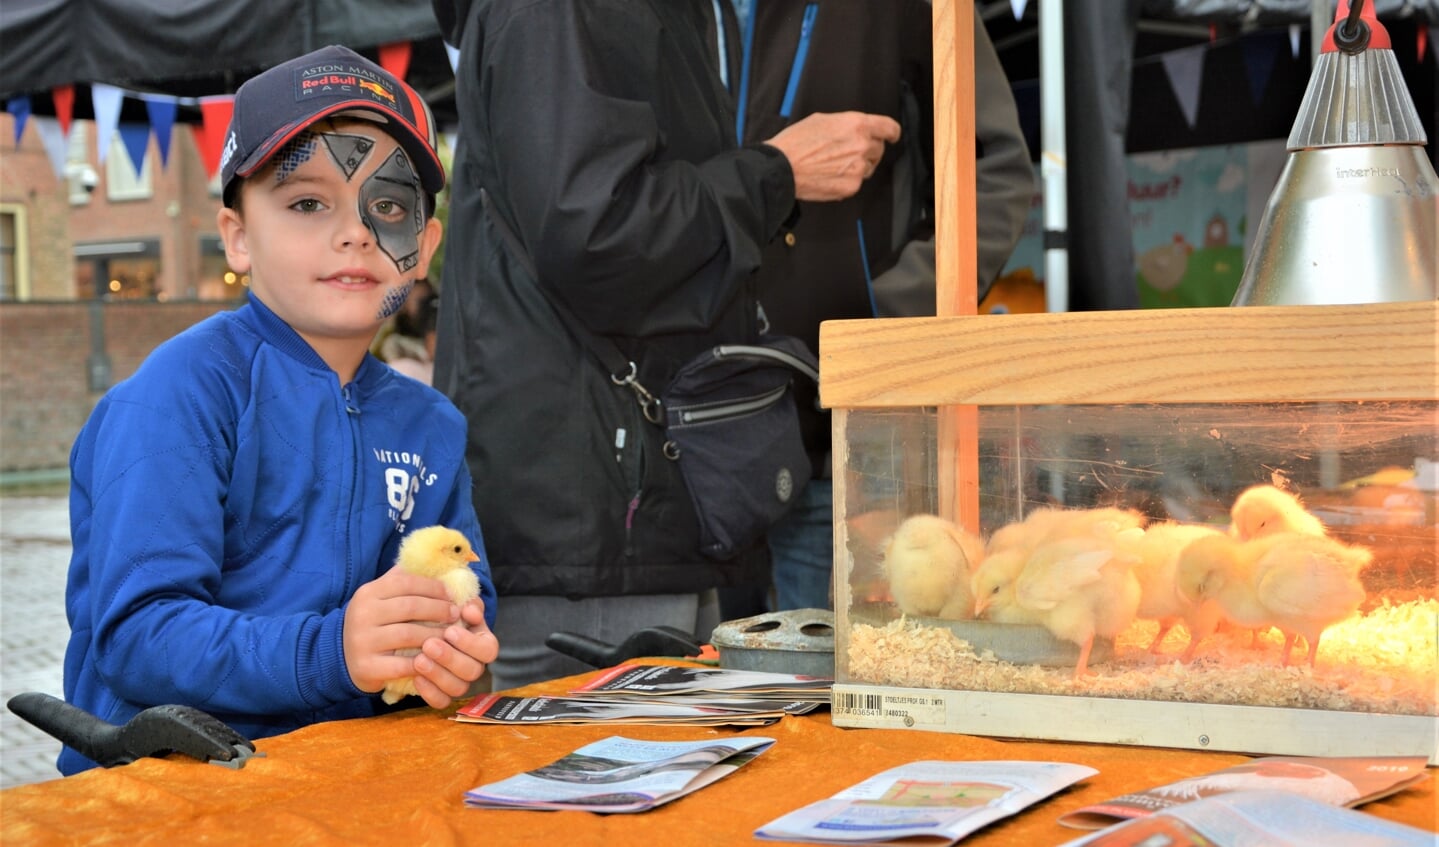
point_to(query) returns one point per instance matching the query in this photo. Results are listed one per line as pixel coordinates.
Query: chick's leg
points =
(1289, 638)
(1202, 623)
(1164, 627)
(1082, 666)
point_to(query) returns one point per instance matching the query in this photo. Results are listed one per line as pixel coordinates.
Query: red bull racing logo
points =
(377, 89)
(339, 78)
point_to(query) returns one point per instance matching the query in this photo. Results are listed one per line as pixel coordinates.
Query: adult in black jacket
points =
(597, 171)
(872, 254)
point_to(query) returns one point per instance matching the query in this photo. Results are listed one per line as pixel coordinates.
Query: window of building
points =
(122, 181)
(14, 276)
(118, 270)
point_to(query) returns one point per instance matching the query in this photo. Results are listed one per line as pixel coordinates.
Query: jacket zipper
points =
(742, 102)
(634, 447)
(739, 408)
(352, 416)
(801, 52)
(864, 265)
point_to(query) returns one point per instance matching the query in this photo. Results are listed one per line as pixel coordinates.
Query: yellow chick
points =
(444, 554)
(1051, 523)
(1011, 546)
(1262, 510)
(1158, 553)
(1300, 583)
(928, 562)
(1081, 588)
(992, 587)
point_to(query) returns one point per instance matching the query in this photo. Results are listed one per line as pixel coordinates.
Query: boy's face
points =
(332, 231)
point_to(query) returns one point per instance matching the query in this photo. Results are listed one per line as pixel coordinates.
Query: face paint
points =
(395, 300)
(392, 206)
(296, 152)
(348, 151)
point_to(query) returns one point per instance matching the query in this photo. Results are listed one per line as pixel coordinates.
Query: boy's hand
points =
(398, 611)
(448, 664)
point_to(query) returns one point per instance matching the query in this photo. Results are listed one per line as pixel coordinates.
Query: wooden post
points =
(956, 263)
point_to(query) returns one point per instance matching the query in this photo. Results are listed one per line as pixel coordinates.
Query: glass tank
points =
(1276, 555)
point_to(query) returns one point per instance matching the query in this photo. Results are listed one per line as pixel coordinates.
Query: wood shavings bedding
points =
(1380, 662)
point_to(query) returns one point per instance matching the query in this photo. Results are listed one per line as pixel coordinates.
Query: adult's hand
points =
(832, 154)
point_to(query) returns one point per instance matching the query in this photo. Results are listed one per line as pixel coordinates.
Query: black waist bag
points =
(730, 421)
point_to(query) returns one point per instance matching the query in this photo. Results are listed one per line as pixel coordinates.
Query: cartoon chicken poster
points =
(1191, 211)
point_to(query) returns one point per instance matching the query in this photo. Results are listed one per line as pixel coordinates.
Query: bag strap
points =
(622, 370)
(751, 351)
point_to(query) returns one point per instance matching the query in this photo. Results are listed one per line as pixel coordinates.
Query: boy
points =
(236, 505)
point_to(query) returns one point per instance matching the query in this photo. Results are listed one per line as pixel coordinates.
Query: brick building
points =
(97, 266)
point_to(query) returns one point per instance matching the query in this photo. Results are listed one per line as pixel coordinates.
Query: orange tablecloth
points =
(400, 780)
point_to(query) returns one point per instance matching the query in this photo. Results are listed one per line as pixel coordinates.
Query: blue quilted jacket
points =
(225, 503)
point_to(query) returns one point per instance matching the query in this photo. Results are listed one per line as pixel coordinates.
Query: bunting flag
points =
(136, 138)
(1186, 71)
(161, 111)
(19, 108)
(395, 58)
(1018, 7)
(215, 115)
(64, 97)
(1260, 54)
(106, 100)
(56, 141)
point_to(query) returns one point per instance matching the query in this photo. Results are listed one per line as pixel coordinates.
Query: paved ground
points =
(34, 554)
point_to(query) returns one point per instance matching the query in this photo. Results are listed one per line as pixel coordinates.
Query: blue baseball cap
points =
(276, 105)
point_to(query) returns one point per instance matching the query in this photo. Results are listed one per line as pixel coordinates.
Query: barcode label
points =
(859, 702)
(893, 708)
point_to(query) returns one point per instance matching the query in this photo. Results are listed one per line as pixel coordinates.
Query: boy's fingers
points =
(433, 695)
(410, 607)
(449, 666)
(487, 646)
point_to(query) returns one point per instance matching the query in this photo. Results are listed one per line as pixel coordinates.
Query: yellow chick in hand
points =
(928, 562)
(444, 554)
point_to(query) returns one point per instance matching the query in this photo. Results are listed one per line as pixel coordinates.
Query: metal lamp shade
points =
(1354, 217)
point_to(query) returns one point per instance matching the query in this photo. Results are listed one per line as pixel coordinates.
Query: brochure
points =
(621, 775)
(1263, 818)
(1334, 780)
(495, 708)
(660, 680)
(930, 802)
